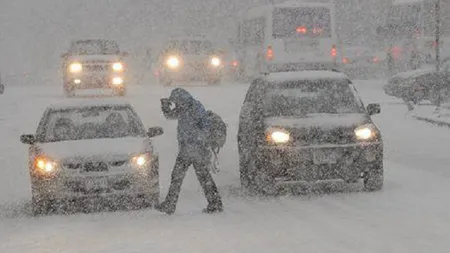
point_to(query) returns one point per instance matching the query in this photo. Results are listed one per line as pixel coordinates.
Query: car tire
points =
(374, 179)
(69, 91)
(41, 206)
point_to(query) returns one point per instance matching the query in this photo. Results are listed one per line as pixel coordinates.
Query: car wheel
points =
(41, 206)
(69, 91)
(373, 179)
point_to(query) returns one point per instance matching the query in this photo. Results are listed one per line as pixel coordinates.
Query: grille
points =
(95, 68)
(318, 136)
(94, 166)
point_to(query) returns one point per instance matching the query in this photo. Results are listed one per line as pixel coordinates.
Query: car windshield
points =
(90, 123)
(94, 47)
(191, 46)
(304, 98)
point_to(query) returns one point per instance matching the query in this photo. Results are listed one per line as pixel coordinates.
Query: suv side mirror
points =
(27, 139)
(373, 109)
(155, 131)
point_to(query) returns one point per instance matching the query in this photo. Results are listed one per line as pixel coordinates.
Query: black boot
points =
(215, 208)
(165, 208)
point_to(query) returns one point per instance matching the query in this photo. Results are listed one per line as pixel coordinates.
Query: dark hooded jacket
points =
(192, 128)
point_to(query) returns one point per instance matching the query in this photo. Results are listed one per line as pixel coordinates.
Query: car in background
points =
(362, 61)
(88, 151)
(2, 85)
(297, 129)
(189, 59)
(94, 63)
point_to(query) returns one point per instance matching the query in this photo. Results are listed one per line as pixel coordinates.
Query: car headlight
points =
(216, 62)
(366, 132)
(278, 136)
(75, 67)
(173, 62)
(45, 165)
(117, 66)
(141, 160)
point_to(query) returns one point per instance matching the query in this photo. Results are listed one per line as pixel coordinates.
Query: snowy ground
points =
(411, 214)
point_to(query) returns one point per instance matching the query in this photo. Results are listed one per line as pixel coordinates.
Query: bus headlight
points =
(365, 132)
(117, 66)
(278, 136)
(216, 62)
(75, 67)
(173, 62)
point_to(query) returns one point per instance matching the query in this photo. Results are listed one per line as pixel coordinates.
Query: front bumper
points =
(89, 81)
(193, 73)
(317, 163)
(129, 182)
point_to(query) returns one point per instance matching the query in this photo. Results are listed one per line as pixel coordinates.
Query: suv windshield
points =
(318, 97)
(90, 123)
(94, 47)
(191, 46)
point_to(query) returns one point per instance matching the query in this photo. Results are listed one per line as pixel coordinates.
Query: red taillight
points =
(375, 59)
(345, 60)
(333, 51)
(302, 30)
(235, 63)
(269, 54)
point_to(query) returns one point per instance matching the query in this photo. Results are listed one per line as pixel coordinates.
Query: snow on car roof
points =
(304, 75)
(414, 73)
(83, 103)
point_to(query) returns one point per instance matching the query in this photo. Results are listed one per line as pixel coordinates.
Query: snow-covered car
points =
(360, 61)
(189, 59)
(89, 150)
(91, 64)
(298, 128)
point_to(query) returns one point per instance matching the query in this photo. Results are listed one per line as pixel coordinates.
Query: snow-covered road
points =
(411, 214)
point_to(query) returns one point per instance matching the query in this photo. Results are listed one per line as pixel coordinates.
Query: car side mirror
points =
(155, 131)
(373, 109)
(27, 139)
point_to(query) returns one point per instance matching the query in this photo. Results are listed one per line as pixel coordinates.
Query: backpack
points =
(217, 131)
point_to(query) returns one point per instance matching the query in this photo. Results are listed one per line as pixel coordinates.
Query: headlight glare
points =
(141, 160)
(117, 81)
(117, 66)
(215, 61)
(173, 62)
(45, 165)
(278, 136)
(365, 132)
(75, 67)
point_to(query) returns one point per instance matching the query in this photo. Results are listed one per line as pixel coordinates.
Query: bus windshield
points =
(295, 22)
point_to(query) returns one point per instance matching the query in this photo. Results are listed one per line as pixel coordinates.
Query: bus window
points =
(294, 22)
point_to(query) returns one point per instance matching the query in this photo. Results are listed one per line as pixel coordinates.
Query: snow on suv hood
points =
(93, 58)
(318, 120)
(98, 148)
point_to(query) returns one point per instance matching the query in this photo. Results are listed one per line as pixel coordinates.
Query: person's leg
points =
(178, 174)
(209, 187)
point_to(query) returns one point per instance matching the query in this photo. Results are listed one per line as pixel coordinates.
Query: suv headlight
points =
(117, 66)
(215, 61)
(45, 165)
(173, 62)
(75, 67)
(366, 132)
(278, 136)
(141, 160)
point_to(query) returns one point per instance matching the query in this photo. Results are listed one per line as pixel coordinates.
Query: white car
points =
(89, 151)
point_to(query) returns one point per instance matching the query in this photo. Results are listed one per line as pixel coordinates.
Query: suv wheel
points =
(373, 179)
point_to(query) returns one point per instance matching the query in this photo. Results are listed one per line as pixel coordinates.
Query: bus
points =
(292, 35)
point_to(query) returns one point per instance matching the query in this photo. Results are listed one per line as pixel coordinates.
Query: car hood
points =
(324, 121)
(95, 58)
(96, 148)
